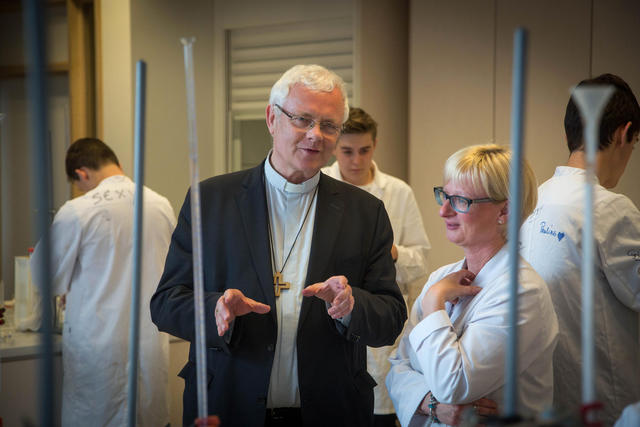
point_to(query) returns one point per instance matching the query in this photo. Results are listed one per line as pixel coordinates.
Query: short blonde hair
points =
(486, 167)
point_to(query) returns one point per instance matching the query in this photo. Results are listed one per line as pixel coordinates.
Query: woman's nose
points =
(446, 209)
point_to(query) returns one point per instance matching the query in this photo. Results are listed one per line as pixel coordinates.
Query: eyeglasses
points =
(306, 123)
(459, 204)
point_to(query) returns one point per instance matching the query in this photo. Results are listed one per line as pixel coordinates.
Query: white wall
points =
(460, 83)
(117, 80)
(156, 29)
(382, 62)
(451, 86)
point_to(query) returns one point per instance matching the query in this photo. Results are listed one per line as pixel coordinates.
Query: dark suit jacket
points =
(352, 237)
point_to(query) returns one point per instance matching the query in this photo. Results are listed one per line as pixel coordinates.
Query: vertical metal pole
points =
(591, 100)
(517, 120)
(34, 28)
(196, 231)
(134, 327)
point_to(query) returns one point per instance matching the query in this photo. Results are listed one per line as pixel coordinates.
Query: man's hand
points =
(336, 291)
(232, 304)
(394, 253)
(450, 288)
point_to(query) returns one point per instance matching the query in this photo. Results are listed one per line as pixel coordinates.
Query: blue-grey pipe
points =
(196, 231)
(134, 326)
(515, 209)
(34, 32)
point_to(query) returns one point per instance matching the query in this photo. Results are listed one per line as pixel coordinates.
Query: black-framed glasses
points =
(459, 204)
(307, 123)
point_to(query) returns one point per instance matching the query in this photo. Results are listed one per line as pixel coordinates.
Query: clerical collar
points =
(278, 181)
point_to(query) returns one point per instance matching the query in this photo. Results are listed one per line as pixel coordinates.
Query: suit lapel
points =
(329, 211)
(252, 205)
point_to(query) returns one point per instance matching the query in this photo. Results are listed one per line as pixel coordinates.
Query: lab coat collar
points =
(568, 171)
(114, 179)
(380, 180)
(497, 262)
(280, 182)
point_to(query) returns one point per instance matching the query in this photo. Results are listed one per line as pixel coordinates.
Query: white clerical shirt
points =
(288, 204)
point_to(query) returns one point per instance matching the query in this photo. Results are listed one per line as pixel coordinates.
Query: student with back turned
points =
(552, 243)
(92, 265)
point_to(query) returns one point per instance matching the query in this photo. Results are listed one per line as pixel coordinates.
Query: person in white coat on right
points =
(552, 242)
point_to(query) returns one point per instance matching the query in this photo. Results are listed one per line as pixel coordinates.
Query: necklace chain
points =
(272, 243)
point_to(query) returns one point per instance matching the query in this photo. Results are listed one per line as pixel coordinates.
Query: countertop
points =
(14, 344)
(22, 345)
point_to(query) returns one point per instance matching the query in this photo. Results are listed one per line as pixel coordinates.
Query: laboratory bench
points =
(19, 376)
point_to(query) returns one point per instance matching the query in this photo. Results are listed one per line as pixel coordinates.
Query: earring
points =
(500, 222)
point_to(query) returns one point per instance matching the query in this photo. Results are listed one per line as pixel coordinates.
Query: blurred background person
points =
(552, 243)
(452, 351)
(92, 266)
(354, 164)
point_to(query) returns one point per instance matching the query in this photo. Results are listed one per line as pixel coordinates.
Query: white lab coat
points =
(552, 242)
(413, 247)
(91, 241)
(630, 416)
(460, 357)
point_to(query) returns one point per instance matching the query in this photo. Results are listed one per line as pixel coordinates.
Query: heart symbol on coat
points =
(560, 236)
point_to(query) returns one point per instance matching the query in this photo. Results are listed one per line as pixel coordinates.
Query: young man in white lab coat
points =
(91, 260)
(552, 243)
(354, 164)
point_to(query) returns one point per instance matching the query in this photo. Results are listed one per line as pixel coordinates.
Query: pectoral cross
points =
(279, 284)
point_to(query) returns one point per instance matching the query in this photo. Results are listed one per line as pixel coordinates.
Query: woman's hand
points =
(450, 288)
(452, 414)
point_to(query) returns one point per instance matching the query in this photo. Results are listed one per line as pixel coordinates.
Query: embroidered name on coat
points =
(549, 229)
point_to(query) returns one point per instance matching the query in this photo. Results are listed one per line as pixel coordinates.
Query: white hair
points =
(313, 77)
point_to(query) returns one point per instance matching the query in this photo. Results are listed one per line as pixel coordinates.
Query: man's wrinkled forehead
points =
(309, 102)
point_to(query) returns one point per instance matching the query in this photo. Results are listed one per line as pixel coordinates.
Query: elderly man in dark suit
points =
(298, 275)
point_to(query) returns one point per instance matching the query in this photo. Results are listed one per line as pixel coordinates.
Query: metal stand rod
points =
(515, 209)
(34, 28)
(590, 100)
(196, 232)
(138, 203)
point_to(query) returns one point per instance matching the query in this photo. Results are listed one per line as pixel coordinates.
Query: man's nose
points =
(315, 132)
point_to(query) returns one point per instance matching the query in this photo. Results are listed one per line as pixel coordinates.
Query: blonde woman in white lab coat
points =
(354, 164)
(91, 254)
(452, 352)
